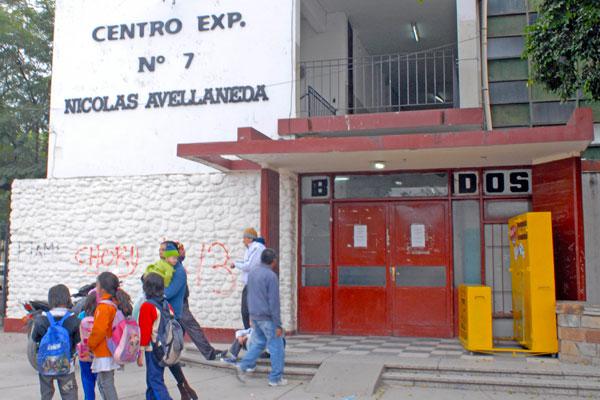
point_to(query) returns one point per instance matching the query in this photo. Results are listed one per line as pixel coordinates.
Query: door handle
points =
(393, 272)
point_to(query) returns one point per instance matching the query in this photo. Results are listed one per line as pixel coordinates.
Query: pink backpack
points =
(125, 341)
(85, 329)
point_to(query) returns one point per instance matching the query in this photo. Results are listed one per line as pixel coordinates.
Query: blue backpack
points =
(54, 353)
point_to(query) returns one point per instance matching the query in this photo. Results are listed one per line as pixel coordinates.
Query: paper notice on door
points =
(360, 236)
(417, 235)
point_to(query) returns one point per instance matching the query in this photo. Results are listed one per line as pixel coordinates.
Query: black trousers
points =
(245, 312)
(195, 332)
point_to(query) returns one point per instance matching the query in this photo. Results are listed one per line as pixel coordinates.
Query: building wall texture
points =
(69, 230)
(591, 219)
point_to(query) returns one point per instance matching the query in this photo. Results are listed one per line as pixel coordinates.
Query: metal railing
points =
(381, 83)
(316, 104)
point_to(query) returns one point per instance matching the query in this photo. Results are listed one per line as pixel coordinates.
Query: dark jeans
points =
(245, 312)
(67, 386)
(88, 380)
(177, 373)
(155, 380)
(194, 331)
(236, 347)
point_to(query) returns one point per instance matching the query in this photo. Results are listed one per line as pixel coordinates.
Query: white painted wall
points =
(332, 44)
(143, 141)
(69, 230)
(469, 55)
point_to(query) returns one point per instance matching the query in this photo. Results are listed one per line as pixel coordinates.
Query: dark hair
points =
(110, 283)
(59, 295)
(154, 285)
(268, 256)
(124, 302)
(89, 304)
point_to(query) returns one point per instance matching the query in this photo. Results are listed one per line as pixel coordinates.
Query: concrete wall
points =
(69, 230)
(331, 44)
(469, 56)
(590, 183)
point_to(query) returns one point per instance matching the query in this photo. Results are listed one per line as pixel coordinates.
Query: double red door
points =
(391, 269)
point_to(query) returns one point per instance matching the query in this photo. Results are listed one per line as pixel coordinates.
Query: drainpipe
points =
(485, 87)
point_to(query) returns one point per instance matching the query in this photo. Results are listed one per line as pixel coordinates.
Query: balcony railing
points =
(382, 83)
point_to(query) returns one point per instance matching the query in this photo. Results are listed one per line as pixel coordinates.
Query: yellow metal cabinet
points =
(532, 270)
(475, 317)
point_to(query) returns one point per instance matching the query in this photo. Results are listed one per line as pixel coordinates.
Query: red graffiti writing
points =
(217, 250)
(122, 260)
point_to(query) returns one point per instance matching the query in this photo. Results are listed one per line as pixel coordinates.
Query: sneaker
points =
(229, 360)
(265, 354)
(219, 354)
(240, 374)
(281, 382)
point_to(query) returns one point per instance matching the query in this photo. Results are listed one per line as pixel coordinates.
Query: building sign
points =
(495, 182)
(133, 78)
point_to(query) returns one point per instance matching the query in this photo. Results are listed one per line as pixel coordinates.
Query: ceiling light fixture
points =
(415, 31)
(342, 178)
(378, 164)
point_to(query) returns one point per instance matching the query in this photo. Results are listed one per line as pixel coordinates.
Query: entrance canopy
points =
(432, 139)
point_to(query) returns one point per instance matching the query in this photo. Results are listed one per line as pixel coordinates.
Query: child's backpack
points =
(169, 341)
(124, 344)
(85, 329)
(54, 353)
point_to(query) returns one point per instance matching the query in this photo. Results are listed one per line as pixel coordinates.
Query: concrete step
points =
(529, 378)
(299, 370)
(492, 370)
(565, 387)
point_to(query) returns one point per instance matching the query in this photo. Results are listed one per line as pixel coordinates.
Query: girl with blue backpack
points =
(57, 333)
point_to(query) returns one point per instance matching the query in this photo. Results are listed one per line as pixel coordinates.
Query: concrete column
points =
(269, 208)
(469, 55)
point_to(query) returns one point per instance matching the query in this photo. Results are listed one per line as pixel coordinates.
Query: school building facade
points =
(380, 147)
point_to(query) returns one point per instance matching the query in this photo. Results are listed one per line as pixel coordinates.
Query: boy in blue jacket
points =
(263, 305)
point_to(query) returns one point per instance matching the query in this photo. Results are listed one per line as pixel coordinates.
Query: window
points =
(393, 185)
(361, 276)
(467, 242)
(315, 234)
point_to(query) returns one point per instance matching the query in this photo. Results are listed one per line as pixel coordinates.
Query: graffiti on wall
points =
(218, 252)
(29, 250)
(122, 260)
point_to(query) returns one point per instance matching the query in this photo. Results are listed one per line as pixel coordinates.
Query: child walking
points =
(88, 378)
(149, 322)
(112, 299)
(52, 366)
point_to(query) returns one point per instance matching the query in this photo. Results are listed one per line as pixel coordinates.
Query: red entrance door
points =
(419, 258)
(360, 273)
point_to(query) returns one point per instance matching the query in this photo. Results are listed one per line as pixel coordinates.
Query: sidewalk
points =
(19, 381)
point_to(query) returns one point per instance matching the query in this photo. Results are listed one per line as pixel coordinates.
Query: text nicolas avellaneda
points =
(168, 98)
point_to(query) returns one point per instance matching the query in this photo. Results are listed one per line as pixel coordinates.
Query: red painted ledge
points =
(214, 335)
(357, 123)
(590, 165)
